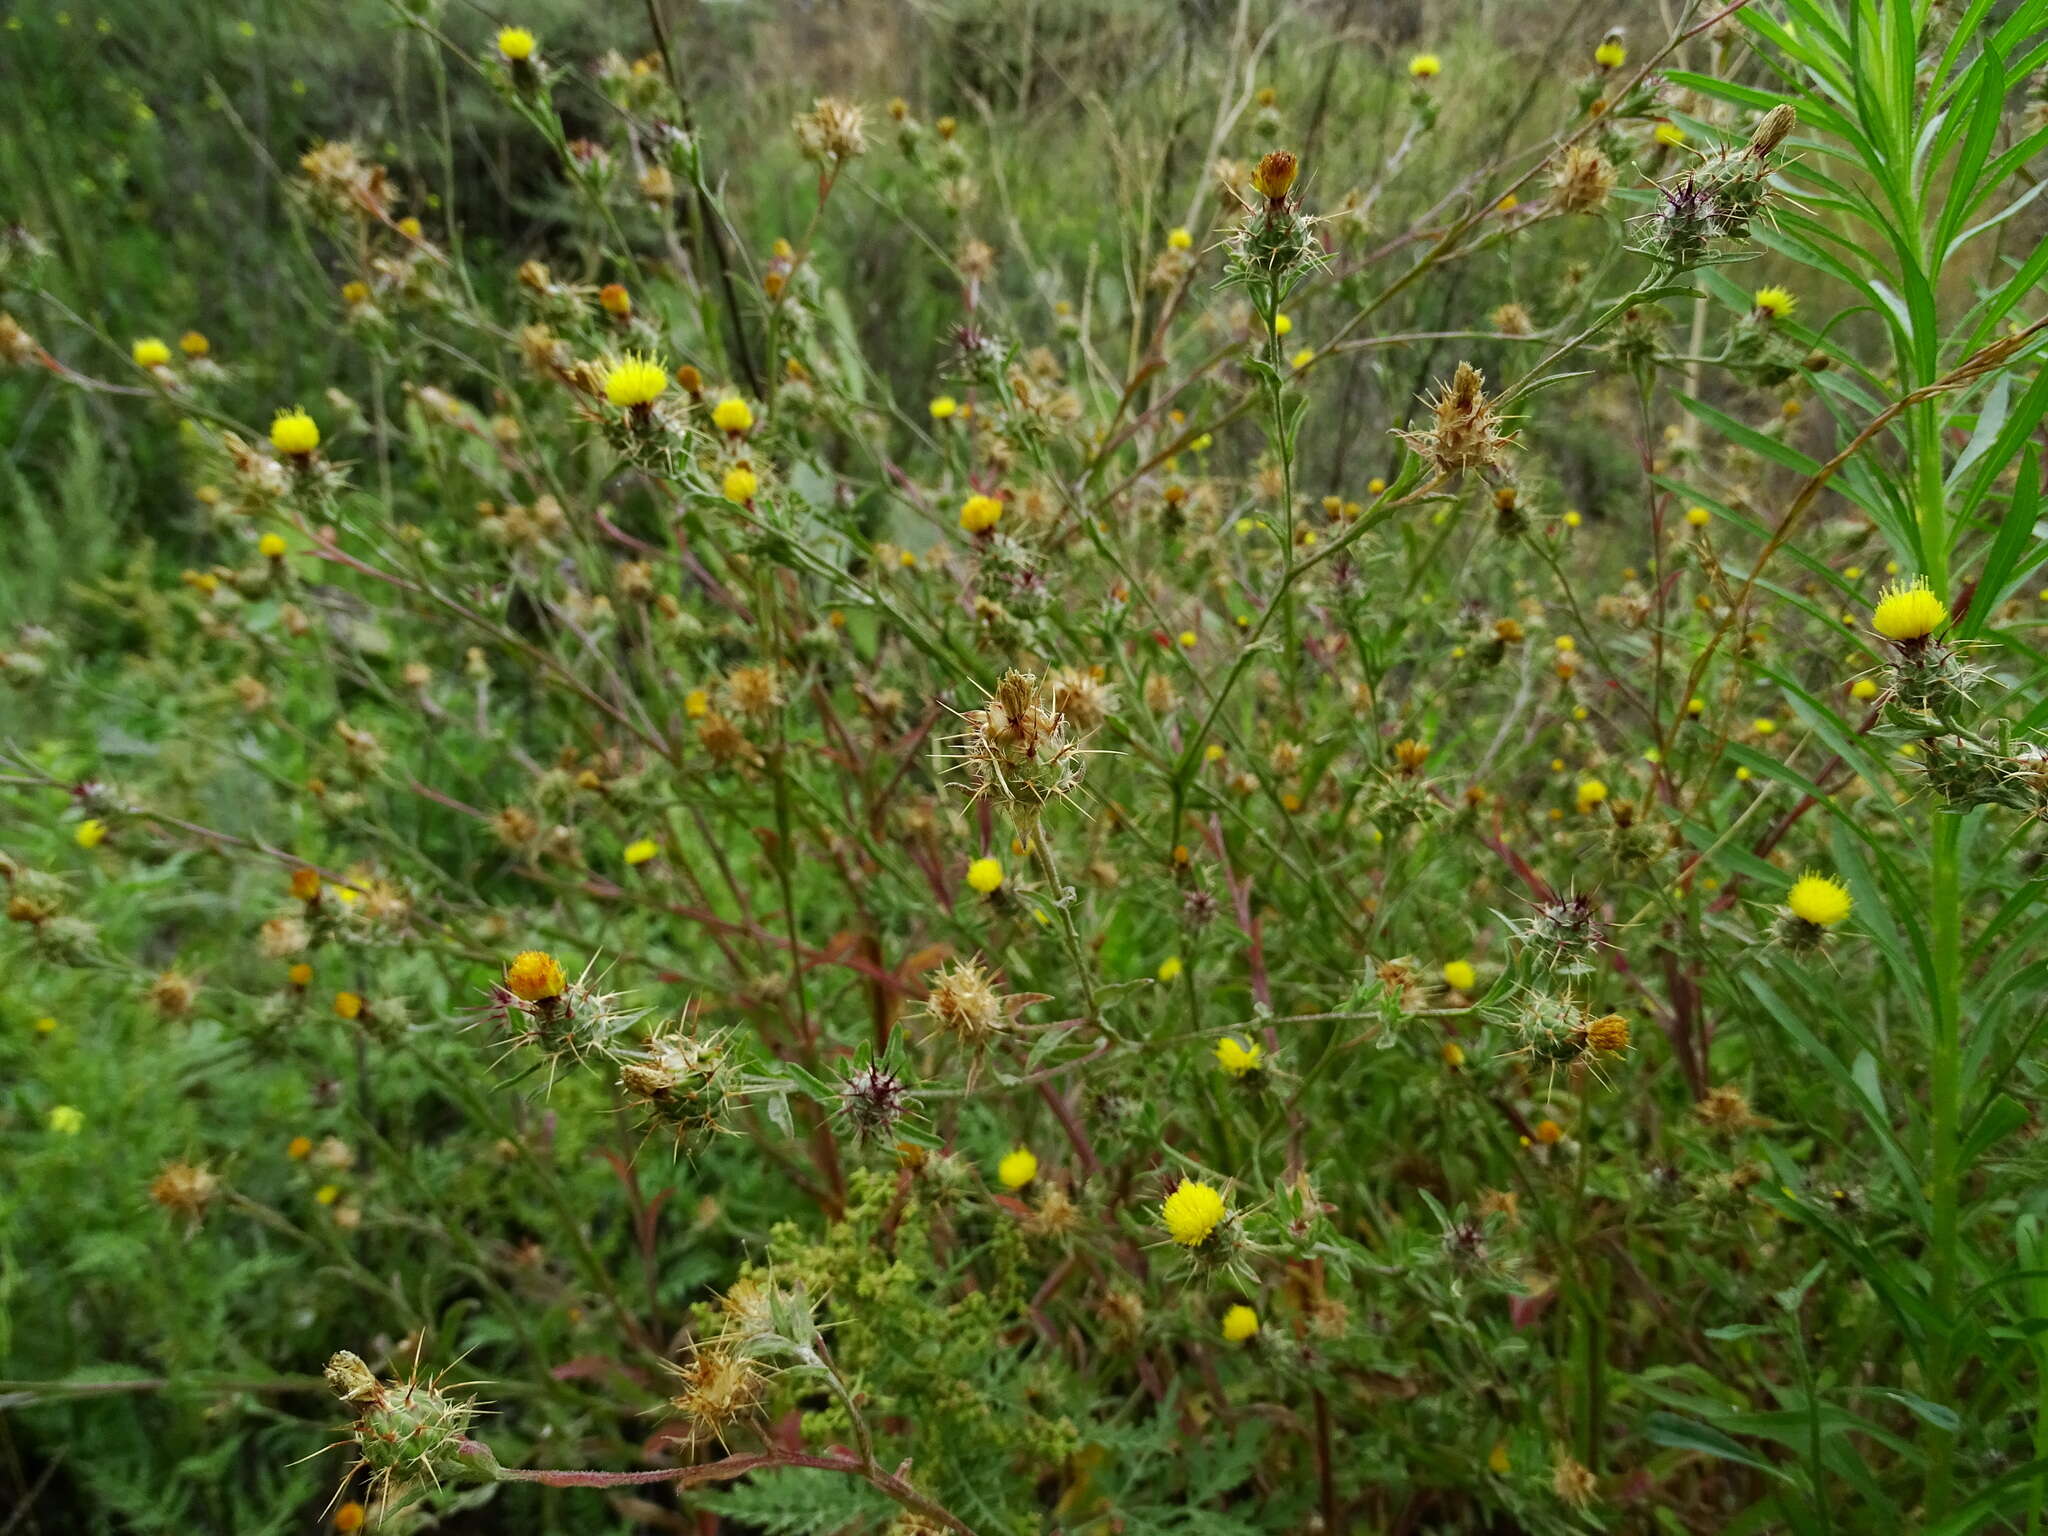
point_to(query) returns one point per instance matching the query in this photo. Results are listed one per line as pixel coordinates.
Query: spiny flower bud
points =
(1018, 748)
(687, 1083)
(1771, 132)
(406, 1432)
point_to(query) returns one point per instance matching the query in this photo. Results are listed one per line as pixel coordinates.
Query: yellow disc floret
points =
(741, 484)
(534, 975)
(1775, 302)
(984, 875)
(516, 44)
(1018, 1168)
(295, 433)
(1192, 1212)
(1610, 54)
(732, 414)
(1237, 1057)
(1818, 899)
(634, 381)
(150, 352)
(1239, 1324)
(1425, 66)
(978, 514)
(1908, 611)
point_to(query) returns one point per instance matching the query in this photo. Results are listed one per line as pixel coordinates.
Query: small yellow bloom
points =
(615, 300)
(348, 1005)
(1764, 726)
(1018, 1168)
(1453, 1054)
(90, 833)
(1187, 639)
(294, 432)
(1169, 968)
(732, 415)
(412, 229)
(194, 344)
(1237, 1057)
(516, 44)
(641, 850)
(978, 514)
(299, 1148)
(300, 974)
(349, 1518)
(1818, 899)
(1669, 133)
(1282, 325)
(634, 381)
(1460, 975)
(1192, 1212)
(533, 975)
(1213, 753)
(985, 875)
(1863, 690)
(1274, 175)
(1302, 359)
(327, 1194)
(46, 1025)
(1610, 54)
(741, 484)
(1572, 520)
(66, 1120)
(1908, 611)
(1591, 793)
(943, 407)
(696, 703)
(1699, 517)
(1179, 239)
(1239, 1324)
(150, 352)
(271, 546)
(1425, 66)
(1498, 1461)
(1776, 303)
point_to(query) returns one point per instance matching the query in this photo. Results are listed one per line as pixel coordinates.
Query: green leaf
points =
(1691, 1435)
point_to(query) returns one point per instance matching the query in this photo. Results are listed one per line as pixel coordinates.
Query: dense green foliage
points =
(1254, 770)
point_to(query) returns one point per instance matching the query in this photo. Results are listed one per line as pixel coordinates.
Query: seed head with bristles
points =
(1467, 431)
(1019, 749)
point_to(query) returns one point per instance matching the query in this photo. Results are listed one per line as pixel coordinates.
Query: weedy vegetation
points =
(1253, 769)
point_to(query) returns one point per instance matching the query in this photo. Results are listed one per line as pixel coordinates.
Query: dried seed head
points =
(1019, 749)
(1466, 435)
(832, 132)
(964, 1003)
(1582, 180)
(184, 1189)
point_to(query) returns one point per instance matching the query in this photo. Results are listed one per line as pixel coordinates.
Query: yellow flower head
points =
(1275, 175)
(1425, 66)
(348, 1005)
(90, 833)
(1591, 793)
(984, 875)
(1018, 1168)
(732, 414)
(978, 514)
(516, 44)
(1818, 899)
(1669, 133)
(1239, 1324)
(271, 546)
(634, 381)
(741, 484)
(1460, 975)
(944, 407)
(613, 299)
(1777, 303)
(640, 851)
(1699, 517)
(294, 432)
(66, 1120)
(1169, 968)
(194, 344)
(1908, 611)
(1238, 1057)
(535, 974)
(1192, 1212)
(1610, 54)
(1179, 238)
(150, 352)
(697, 703)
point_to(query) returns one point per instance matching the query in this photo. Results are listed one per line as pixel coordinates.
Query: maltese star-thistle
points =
(1192, 1213)
(1818, 899)
(634, 381)
(1467, 432)
(535, 975)
(516, 44)
(1908, 612)
(732, 416)
(1239, 1058)
(150, 352)
(1239, 1324)
(1018, 1168)
(1775, 303)
(295, 433)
